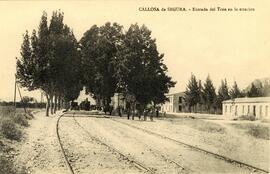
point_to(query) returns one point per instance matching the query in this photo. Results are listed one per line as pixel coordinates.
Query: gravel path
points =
(40, 152)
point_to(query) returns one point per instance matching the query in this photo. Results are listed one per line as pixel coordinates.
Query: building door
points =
(254, 110)
(180, 108)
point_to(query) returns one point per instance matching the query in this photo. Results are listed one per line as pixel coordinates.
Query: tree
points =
(223, 93)
(192, 93)
(99, 52)
(26, 66)
(201, 101)
(209, 94)
(146, 77)
(27, 99)
(51, 61)
(254, 91)
(235, 91)
(266, 89)
(112, 60)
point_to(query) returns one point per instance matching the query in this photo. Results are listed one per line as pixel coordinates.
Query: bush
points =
(21, 119)
(259, 131)
(6, 166)
(265, 120)
(7, 111)
(246, 117)
(209, 127)
(10, 130)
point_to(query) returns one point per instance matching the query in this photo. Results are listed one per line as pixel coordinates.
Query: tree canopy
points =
(50, 60)
(128, 63)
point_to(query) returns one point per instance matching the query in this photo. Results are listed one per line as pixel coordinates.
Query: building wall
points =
(260, 110)
(168, 105)
(174, 104)
(118, 100)
(178, 103)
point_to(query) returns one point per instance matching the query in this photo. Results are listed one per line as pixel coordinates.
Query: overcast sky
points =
(232, 45)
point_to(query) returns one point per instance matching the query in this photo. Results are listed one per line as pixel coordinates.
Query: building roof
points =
(249, 100)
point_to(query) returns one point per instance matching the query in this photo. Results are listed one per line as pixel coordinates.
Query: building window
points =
(248, 109)
(243, 109)
(266, 111)
(226, 109)
(254, 110)
(236, 109)
(180, 99)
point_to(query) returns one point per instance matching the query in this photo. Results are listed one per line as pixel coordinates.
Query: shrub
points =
(29, 115)
(21, 119)
(246, 117)
(209, 127)
(7, 111)
(259, 131)
(6, 166)
(10, 130)
(265, 120)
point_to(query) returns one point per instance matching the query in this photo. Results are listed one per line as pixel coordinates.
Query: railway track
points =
(169, 160)
(140, 165)
(229, 160)
(61, 146)
(135, 163)
(125, 157)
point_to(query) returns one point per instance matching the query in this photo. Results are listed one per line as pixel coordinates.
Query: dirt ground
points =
(93, 145)
(230, 142)
(39, 152)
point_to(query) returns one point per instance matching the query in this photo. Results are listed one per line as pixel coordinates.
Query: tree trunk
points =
(59, 102)
(133, 111)
(47, 105)
(144, 113)
(51, 104)
(55, 104)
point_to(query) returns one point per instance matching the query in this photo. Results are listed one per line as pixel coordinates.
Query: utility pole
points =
(15, 92)
(21, 99)
(15, 87)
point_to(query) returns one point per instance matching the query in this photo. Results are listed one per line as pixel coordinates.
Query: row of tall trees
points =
(107, 60)
(128, 62)
(205, 97)
(50, 61)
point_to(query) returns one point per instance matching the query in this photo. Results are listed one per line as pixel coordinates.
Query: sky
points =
(232, 45)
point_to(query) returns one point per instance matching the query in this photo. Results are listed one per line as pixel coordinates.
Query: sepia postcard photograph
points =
(135, 87)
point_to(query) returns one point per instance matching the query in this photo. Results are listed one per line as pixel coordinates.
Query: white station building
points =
(257, 106)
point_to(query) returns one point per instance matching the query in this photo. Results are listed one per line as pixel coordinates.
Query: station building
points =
(118, 100)
(257, 106)
(175, 104)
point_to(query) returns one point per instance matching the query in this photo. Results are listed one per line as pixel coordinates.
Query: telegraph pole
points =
(15, 92)
(21, 99)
